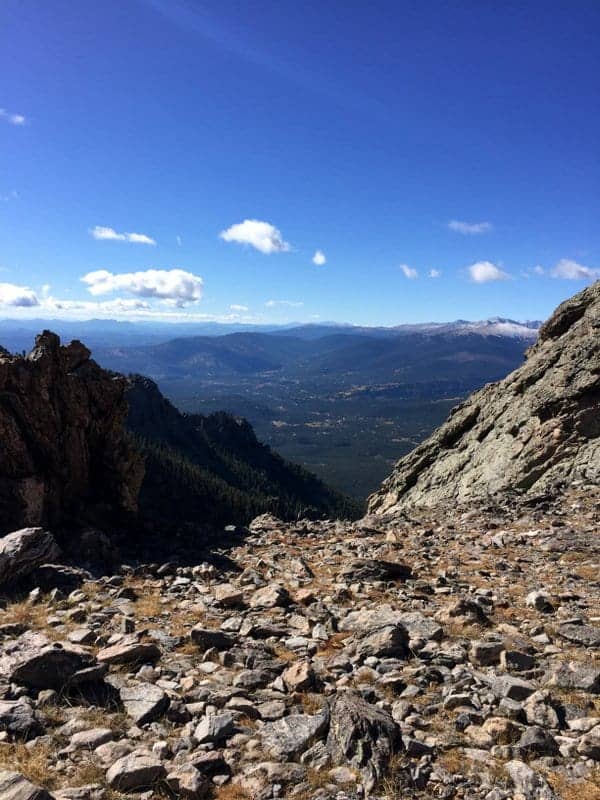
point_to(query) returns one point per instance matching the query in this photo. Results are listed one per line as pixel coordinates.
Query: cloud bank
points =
(174, 286)
(110, 234)
(262, 236)
(572, 271)
(290, 303)
(485, 272)
(17, 296)
(470, 228)
(409, 272)
(11, 118)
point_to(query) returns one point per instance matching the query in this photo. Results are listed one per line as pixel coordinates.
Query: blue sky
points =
(192, 159)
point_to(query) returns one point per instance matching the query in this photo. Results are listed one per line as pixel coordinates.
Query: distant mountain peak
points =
(538, 427)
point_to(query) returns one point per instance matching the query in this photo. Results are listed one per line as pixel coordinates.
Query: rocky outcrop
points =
(22, 551)
(532, 431)
(64, 455)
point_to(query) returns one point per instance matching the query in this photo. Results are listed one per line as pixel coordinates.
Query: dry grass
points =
(118, 722)
(334, 644)
(32, 762)
(588, 572)
(455, 762)
(23, 612)
(149, 606)
(587, 789)
(231, 791)
(312, 703)
(283, 654)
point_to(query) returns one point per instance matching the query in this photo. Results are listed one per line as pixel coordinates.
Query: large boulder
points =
(362, 735)
(538, 427)
(14, 786)
(21, 552)
(33, 661)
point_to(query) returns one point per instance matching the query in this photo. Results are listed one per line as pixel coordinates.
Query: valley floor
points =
(441, 654)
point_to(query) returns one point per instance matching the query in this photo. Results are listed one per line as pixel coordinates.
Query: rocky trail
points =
(439, 653)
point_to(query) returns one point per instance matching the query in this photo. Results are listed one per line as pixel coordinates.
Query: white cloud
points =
(319, 258)
(236, 307)
(178, 240)
(434, 273)
(17, 296)
(571, 270)
(12, 119)
(118, 306)
(110, 234)
(291, 303)
(470, 228)
(485, 271)
(409, 272)
(539, 270)
(174, 286)
(261, 235)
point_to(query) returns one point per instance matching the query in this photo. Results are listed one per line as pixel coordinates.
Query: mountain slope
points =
(213, 469)
(470, 351)
(537, 427)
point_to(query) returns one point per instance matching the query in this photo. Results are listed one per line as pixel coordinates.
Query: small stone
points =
(129, 650)
(589, 744)
(541, 601)
(189, 783)
(137, 771)
(91, 739)
(214, 728)
(206, 638)
(144, 702)
(485, 653)
(14, 786)
(298, 677)
(228, 595)
(270, 597)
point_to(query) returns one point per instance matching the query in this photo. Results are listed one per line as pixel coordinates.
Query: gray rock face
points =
(35, 662)
(22, 551)
(129, 650)
(588, 635)
(214, 728)
(529, 783)
(136, 771)
(144, 702)
(64, 451)
(576, 676)
(206, 638)
(538, 426)
(287, 738)
(17, 718)
(362, 735)
(375, 570)
(388, 641)
(14, 786)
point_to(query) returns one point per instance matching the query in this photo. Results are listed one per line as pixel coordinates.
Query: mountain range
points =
(328, 397)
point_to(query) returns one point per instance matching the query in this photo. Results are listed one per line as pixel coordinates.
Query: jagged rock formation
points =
(538, 427)
(63, 452)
